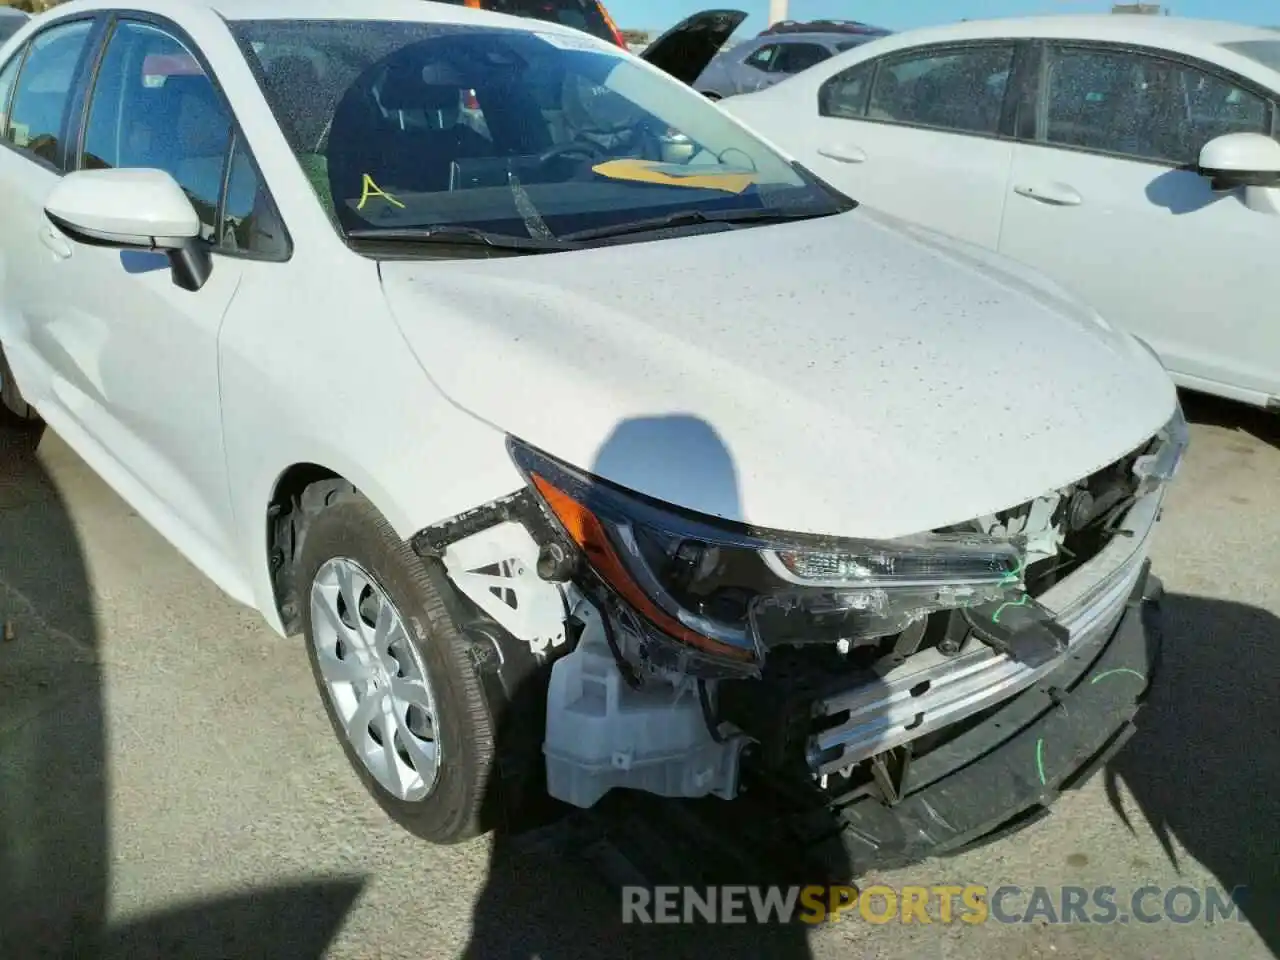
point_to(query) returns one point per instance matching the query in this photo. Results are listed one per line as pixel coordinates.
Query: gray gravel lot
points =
(165, 766)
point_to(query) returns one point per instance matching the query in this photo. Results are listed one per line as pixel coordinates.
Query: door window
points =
(153, 106)
(7, 76)
(1143, 106)
(43, 90)
(794, 57)
(762, 59)
(250, 223)
(845, 94)
(961, 90)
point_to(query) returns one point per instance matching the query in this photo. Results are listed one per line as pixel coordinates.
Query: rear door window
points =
(794, 57)
(959, 89)
(763, 58)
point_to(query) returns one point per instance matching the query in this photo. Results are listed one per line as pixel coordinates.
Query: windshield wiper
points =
(688, 218)
(460, 236)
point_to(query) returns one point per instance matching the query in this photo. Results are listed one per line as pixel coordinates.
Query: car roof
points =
(413, 11)
(1182, 34)
(804, 37)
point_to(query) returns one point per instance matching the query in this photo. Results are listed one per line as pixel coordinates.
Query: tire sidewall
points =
(13, 403)
(350, 528)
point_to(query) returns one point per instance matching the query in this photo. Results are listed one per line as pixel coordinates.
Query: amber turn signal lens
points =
(588, 533)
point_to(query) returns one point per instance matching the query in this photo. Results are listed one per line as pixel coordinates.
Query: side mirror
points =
(1241, 160)
(133, 209)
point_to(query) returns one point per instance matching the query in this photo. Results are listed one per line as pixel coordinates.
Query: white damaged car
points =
(589, 441)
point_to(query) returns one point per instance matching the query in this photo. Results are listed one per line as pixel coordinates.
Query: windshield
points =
(531, 135)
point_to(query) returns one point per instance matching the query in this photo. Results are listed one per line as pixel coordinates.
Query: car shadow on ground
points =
(55, 821)
(1212, 411)
(1204, 766)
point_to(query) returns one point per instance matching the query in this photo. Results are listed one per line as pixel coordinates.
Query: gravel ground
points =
(165, 767)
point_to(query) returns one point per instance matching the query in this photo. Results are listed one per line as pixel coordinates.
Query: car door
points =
(1105, 199)
(919, 133)
(38, 83)
(131, 358)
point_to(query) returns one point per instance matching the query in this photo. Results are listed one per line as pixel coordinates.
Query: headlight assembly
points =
(727, 593)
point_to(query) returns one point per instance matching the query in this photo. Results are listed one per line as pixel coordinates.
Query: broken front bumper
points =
(1003, 773)
(931, 691)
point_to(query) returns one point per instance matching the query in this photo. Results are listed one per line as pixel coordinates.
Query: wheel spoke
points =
(351, 585)
(422, 753)
(411, 692)
(387, 727)
(329, 609)
(385, 633)
(342, 671)
(384, 625)
(358, 725)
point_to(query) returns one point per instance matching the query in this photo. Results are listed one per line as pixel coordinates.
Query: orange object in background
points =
(588, 15)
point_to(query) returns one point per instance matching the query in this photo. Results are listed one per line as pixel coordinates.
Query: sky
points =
(657, 15)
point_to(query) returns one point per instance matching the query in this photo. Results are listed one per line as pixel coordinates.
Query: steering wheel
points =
(580, 148)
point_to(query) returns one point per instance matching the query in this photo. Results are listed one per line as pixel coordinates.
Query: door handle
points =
(1056, 194)
(55, 242)
(843, 154)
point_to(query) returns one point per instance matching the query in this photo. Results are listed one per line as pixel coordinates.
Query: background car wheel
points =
(392, 668)
(13, 403)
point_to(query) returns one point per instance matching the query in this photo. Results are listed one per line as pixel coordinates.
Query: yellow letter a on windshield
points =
(370, 189)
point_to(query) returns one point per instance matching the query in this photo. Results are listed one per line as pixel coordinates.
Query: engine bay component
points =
(604, 732)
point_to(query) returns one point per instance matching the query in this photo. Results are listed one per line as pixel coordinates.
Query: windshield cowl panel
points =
(405, 127)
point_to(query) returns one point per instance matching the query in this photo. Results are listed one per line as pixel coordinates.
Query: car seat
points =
(371, 138)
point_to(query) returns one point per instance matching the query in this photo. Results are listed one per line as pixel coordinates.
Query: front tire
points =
(393, 669)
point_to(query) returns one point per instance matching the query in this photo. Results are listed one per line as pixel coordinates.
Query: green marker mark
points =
(1022, 601)
(1109, 673)
(1040, 760)
(1012, 577)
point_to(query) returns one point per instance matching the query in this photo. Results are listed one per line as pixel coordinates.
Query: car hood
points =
(851, 375)
(685, 50)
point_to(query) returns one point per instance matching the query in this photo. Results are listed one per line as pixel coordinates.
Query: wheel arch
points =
(283, 525)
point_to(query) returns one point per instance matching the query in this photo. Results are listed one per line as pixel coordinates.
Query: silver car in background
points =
(781, 51)
(11, 21)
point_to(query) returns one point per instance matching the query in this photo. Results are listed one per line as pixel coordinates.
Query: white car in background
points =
(1133, 159)
(587, 452)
